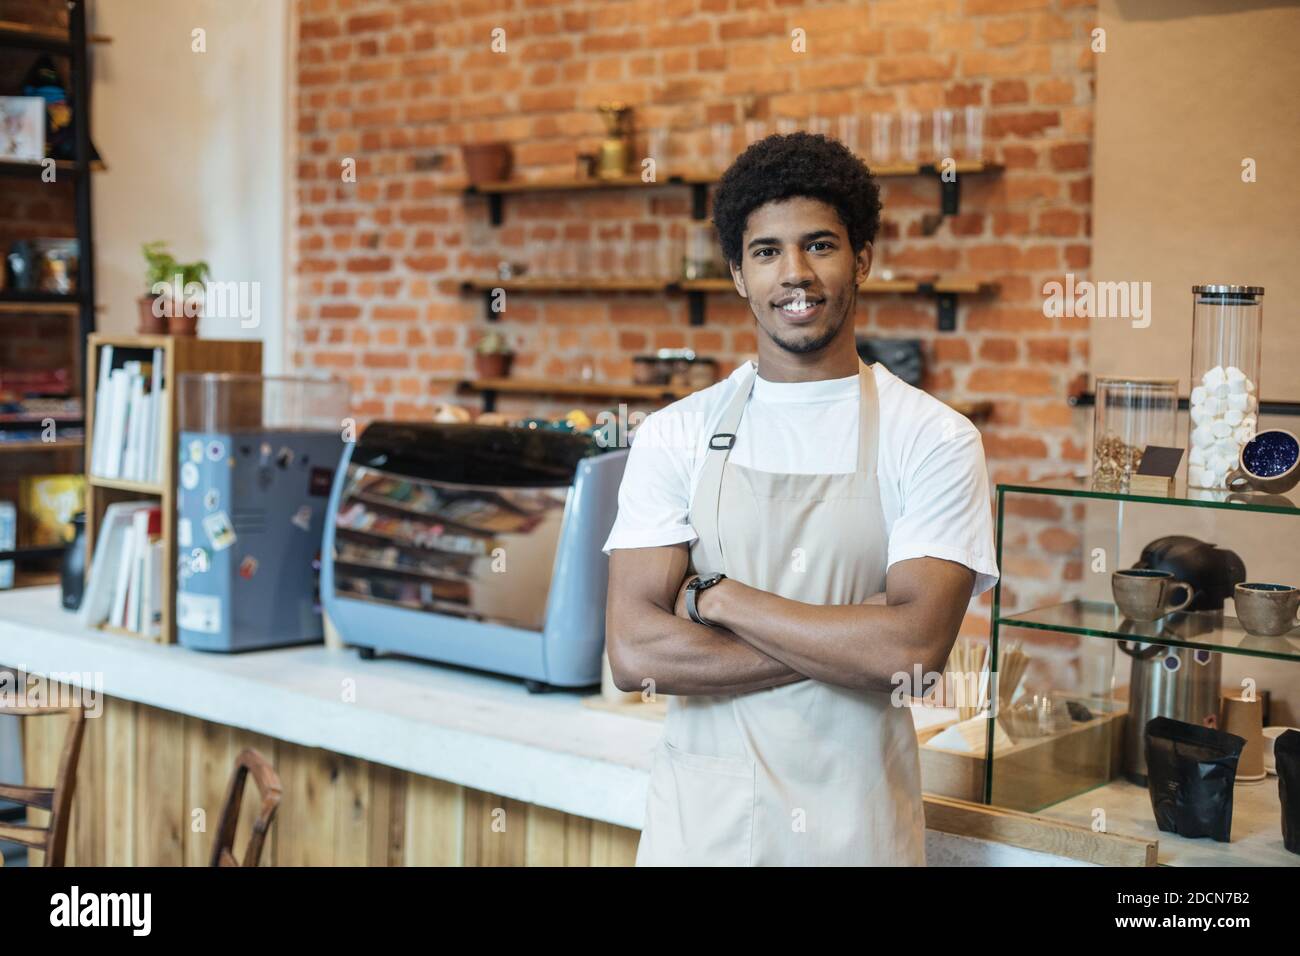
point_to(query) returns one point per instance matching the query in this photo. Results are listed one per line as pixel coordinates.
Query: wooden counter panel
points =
(151, 783)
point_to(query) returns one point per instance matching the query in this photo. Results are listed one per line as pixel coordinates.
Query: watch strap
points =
(691, 593)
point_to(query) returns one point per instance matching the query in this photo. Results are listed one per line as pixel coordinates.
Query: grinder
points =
(1212, 572)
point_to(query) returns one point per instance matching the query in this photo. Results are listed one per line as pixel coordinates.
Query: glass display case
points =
(1066, 737)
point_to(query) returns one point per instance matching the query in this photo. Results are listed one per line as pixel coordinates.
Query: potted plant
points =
(493, 355)
(174, 302)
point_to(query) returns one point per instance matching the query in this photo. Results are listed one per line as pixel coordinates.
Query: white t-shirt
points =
(933, 480)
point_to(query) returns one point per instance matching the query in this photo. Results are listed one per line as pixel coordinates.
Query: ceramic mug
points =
(1268, 462)
(1266, 610)
(1142, 594)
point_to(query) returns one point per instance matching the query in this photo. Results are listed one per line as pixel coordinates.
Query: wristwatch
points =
(701, 583)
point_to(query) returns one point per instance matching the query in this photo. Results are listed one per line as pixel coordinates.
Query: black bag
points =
(1286, 755)
(1191, 771)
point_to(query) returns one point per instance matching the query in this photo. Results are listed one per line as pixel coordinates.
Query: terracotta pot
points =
(486, 162)
(181, 324)
(150, 324)
(493, 364)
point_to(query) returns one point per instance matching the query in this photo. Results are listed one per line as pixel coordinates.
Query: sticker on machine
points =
(184, 532)
(302, 518)
(198, 612)
(189, 476)
(220, 531)
(216, 450)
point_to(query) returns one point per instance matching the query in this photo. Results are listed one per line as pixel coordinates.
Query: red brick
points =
(1000, 350)
(1009, 91)
(1069, 156)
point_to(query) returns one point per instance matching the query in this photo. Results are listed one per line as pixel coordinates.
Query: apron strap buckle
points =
(731, 440)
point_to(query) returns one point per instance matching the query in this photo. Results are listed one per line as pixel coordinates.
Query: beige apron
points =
(807, 773)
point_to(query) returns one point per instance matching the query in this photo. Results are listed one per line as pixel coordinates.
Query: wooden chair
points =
(268, 787)
(53, 837)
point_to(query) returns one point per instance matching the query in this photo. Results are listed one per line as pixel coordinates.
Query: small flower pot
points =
(150, 324)
(178, 323)
(493, 364)
(486, 162)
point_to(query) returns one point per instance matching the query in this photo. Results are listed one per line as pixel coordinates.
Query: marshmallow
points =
(1196, 456)
(1233, 417)
(1214, 376)
(1213, 406)
(1239, 401)
(1226, 448)
(1221, 429)
(1235, 375)
(1198, 395)
(1242, 434)
(1202, 436)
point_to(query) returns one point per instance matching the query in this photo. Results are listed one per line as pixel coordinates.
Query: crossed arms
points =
(764, 640)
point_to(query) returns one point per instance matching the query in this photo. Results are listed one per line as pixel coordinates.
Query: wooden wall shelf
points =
(26, 168)
(943, 291)
(25, 36)
(491, 388)
(63, 444)
(699, 182)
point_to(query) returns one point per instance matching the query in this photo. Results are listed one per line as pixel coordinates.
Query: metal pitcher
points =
(1177, 682)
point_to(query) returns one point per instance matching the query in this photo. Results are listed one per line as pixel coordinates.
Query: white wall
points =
(196, 149)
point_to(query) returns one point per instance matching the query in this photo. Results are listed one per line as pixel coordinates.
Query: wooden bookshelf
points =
(181, 354)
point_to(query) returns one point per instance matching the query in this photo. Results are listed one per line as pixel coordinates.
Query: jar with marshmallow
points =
(1227, 325)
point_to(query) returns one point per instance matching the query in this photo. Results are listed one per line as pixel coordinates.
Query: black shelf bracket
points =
(495, 201)
(695, 302)
(946, 305)
(949, 189)
(699, 201)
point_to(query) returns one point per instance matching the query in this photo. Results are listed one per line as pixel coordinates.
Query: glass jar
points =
(1131, 414)
(1227, 326)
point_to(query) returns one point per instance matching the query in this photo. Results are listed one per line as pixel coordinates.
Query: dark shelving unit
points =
(45, 307)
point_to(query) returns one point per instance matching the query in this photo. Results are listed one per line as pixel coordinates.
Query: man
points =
(790, 543)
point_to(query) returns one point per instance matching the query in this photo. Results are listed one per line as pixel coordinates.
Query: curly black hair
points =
(796, 164)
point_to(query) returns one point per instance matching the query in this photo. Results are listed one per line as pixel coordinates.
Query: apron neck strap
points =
(868, 420)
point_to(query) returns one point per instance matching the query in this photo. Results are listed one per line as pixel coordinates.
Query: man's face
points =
(799, 274)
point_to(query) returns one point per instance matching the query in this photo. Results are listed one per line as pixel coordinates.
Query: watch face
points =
(708, 580)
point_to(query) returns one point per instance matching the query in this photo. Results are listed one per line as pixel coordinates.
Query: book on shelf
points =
(130, 403)
(125, 585)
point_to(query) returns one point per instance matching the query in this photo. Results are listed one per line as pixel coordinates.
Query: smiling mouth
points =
(799, 313)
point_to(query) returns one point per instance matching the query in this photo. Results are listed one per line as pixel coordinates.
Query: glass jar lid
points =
(1233, 290)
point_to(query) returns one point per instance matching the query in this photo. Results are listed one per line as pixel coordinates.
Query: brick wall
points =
(397, 86)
